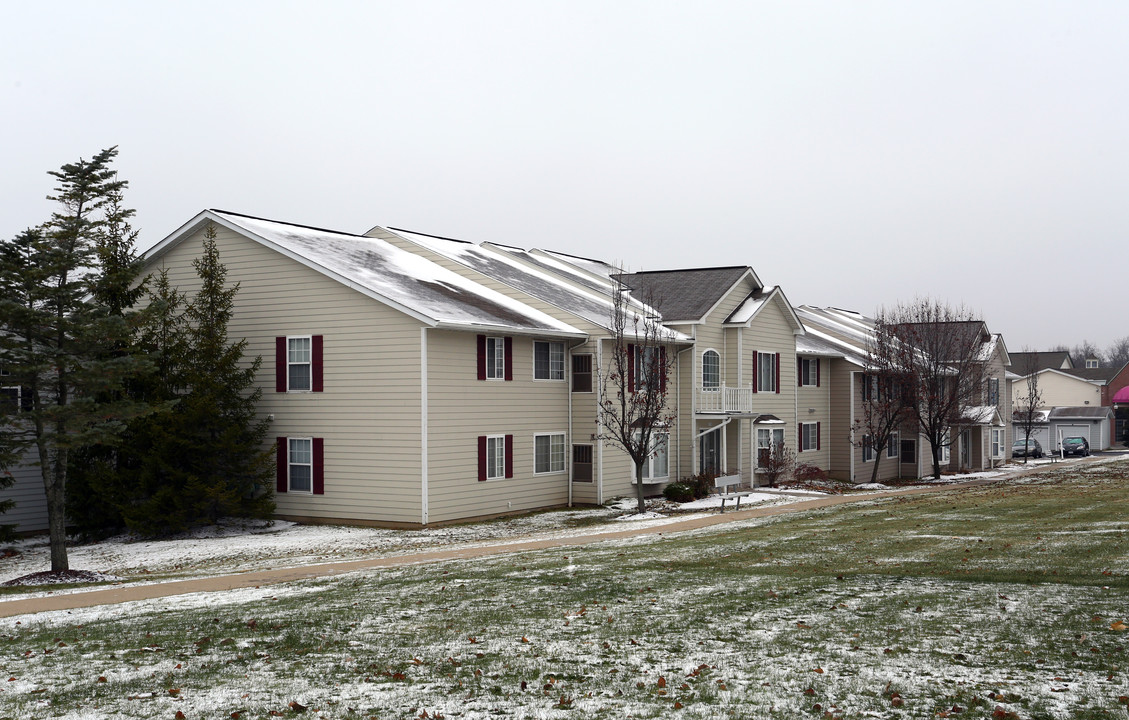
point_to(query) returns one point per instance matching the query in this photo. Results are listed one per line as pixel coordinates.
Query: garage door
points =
(1065, 431)
(1040, 434)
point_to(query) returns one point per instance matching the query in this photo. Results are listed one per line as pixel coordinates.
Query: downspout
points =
(851, 435)
(571, 434)
(423, 424)
(599, 441)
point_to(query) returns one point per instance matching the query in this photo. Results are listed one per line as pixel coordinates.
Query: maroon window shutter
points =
(280, 364)
(756, 368)
(818, 436)
(817, 364)
(482, 358)
(509, 359)
(319, 466)
(481, 456)
(283, 460)
(777, 373)
(630, 368)
(662, 369)
(509, 456)
(316, 384)
(800, 435)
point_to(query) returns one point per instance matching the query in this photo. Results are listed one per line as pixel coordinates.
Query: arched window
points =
(711, 370)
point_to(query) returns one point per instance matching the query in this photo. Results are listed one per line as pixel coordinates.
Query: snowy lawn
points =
(1006, 601)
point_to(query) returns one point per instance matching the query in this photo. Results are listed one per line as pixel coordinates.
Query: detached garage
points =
(1087, 422)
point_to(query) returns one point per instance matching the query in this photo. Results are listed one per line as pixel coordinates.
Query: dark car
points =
(1033, 449)
(1075, 446)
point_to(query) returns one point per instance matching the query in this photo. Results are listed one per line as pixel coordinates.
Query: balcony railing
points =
(726, 399)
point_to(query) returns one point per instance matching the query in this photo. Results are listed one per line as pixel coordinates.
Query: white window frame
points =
(660, 448)
(555, 370)
(495, 358)
(868, 448)
(495, 457)
(993, 391)
(809, 436)
(997, 443)
(809, 372)
(717, 375)
(944, 453)
(893, 450)
(774, 435)
(291, 464)
(648, 366)
(291, 363)
(556, 453)
(766, 381)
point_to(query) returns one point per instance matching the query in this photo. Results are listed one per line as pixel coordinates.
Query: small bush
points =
(678, 492)
(809, 473)
(701, 484)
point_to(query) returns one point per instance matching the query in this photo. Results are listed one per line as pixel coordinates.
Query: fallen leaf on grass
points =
(1118, 626)
(296, 707)
(818, 670)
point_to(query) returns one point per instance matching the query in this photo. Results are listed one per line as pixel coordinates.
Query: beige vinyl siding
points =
(819, 400)
(30, 513)
(369, 412)
(584, 426)
(1059, 390)
(838, 441)
(461, 408)
(770, 332)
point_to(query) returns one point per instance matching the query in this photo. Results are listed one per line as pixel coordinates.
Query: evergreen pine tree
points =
(205, 459)
(61, 339)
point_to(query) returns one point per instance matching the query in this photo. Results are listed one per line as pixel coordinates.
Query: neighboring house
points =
(1026, 362)
(1053, 424)
(30, 511)
(1083, 387)
(982, 440)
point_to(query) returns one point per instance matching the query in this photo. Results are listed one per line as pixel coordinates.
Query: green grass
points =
(979, 599)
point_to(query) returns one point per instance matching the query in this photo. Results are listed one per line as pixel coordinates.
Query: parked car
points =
(1075, 446)
(1032, 448)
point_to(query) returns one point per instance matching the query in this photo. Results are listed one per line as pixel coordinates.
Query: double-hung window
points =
(809, 436)
(993, 392)
(495, 457)
(647, 367)
(809, 372)
(867, 448)
(301, 465)
(582, 373)
(298, 360)
(892, 446)
(548, 453)
(548, 360)
(997, 443)
(495, 358)
(766, 368)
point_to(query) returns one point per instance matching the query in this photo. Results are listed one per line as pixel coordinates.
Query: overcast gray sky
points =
(855, 153)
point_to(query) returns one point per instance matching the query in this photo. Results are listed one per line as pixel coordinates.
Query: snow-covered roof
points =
(378, 269)
(982, 415)
(507, 269)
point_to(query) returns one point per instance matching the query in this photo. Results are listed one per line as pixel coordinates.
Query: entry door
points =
(909, 451)
(966, 448)
(709, 452)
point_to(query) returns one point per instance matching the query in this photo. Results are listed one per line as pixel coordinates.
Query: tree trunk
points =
(936, 461)
(54, 471)
(874, 470)
(639, 487)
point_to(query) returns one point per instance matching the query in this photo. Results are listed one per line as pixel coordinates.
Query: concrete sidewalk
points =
(129, 593)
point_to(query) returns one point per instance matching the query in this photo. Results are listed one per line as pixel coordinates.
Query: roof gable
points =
(686, 296)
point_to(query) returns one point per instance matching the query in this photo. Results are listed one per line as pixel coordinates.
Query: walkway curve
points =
(129, 593)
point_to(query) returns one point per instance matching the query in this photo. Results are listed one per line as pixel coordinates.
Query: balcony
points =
(725, 399)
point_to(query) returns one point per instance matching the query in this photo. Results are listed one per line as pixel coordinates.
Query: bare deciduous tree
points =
(1026, 406)
(885, 406)
(1118, 353)
(938, 353)
(777, 462)
(634, 409)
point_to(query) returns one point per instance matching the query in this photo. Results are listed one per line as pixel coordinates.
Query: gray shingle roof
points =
(1102, 375)
(1088, 411)
(1038, 360)
(683, 295)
